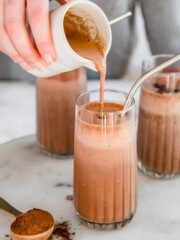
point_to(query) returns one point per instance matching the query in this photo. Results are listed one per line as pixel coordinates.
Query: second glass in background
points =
(159, 120)
(56, 98)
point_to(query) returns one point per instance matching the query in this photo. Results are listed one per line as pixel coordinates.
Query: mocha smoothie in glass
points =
(104, 161)
(56, 98)
(105, 142)
(159, 125)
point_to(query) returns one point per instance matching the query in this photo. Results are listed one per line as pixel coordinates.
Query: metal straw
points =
(121, 17)
(148, 74)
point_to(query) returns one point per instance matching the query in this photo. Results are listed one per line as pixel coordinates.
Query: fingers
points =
(6, 45)
(15, 39)
(17, 32)
(38, 14)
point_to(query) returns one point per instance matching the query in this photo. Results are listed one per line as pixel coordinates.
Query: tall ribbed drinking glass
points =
(105, 160)
(56, 98)
(159, 121)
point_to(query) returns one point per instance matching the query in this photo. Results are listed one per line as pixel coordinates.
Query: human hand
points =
(15, 40)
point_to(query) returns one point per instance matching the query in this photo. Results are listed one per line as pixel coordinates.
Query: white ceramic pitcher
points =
(67, 58)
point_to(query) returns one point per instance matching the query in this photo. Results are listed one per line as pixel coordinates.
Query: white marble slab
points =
(17, 109)
(29, 179)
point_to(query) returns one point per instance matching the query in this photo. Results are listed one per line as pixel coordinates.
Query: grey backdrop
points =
(162, 24)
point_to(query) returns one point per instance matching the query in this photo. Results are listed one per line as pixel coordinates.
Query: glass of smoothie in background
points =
(159, 120)
(105, 167)
(56, 98)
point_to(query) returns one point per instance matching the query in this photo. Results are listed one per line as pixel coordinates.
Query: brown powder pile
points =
(33, 222)
(62, 230)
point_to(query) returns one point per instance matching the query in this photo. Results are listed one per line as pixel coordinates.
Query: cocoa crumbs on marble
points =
(62, 230)
(69, 197)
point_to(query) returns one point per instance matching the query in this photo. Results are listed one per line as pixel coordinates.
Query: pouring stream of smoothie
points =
(85, 39)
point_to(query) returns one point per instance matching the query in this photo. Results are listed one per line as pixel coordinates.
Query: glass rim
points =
(158, 56)
(154, 57)
(151, 61)
(131, 106)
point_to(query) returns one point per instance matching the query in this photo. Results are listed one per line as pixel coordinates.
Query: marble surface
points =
(29, 179)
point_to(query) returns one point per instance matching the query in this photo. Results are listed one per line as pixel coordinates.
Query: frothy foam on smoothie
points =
(92, 120)
(161, 92)
(109, 107)
(163, 84)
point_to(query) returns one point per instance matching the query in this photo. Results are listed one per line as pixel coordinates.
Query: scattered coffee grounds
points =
(162, 89)
(177, 90)
(62, 230)
(69, 197)
(33, 222)
(63, 185)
